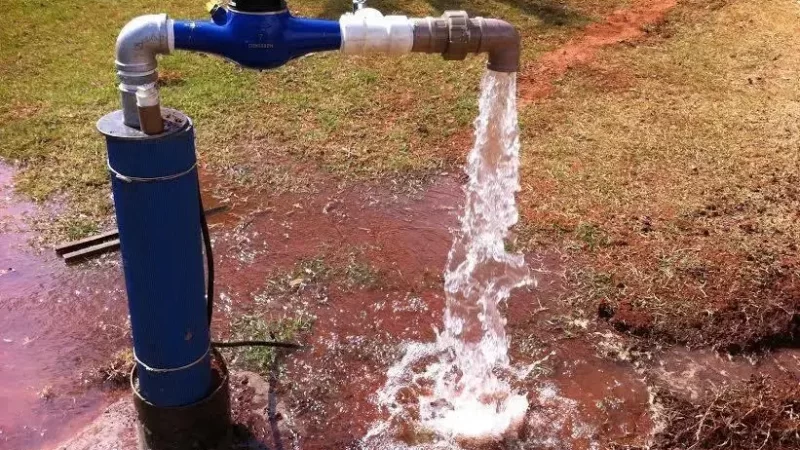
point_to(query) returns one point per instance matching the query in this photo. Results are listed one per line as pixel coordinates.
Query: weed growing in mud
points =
(309, 279)
(316, 273)
(359, 274)
(115, 373)
(119, 368)
(314, 270)
(253, 327)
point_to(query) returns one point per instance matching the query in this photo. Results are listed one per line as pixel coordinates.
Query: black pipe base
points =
(205, 425)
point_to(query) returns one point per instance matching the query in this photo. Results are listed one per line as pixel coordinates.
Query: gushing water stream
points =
(457, 389)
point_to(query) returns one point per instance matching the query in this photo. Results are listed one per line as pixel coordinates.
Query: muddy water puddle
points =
(578, 400)
(691, 374)
(56, 323)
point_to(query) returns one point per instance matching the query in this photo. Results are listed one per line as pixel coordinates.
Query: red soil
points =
(536, 82)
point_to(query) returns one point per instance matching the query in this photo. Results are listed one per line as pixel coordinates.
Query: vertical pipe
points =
(154, 183)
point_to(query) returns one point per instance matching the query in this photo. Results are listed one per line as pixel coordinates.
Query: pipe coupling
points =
(458, 35)
(454, 35)
(368, 31)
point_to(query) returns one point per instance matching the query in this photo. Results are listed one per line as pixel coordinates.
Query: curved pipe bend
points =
(141, 40)
(502, 42)
(138, 43)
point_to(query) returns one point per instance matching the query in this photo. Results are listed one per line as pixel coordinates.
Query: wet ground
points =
(591, 385)
(56, 323)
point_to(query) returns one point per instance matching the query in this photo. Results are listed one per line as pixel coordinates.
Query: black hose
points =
(210, 289)
(209, 258)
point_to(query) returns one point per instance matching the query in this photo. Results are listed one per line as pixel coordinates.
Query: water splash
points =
(456, 389)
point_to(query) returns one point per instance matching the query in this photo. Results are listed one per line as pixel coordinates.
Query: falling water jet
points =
(461, 381)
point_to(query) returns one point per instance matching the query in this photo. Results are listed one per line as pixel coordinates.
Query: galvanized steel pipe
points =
(137, 46)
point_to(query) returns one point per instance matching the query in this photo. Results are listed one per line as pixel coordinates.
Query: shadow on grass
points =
(550, 12)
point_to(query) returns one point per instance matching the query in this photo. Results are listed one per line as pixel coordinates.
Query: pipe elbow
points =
(503, 44)
(140, 41)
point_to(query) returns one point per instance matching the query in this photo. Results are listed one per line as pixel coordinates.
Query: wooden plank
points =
(95, 241)
(93, 250)
(80, 243)
(216, 210)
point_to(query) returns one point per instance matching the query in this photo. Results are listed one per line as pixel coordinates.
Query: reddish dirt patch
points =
(328, 389)
(712, 296)
(580, 398)
(621, 26)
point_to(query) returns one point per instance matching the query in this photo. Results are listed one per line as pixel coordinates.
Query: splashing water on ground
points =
(456, 389)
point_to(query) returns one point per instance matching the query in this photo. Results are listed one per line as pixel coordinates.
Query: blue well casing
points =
(258, 40)
(160, 238)
(158, 215)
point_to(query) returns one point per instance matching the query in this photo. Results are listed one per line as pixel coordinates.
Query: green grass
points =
(348, 268)
(255, 327)
(673, 163)
(358, 118)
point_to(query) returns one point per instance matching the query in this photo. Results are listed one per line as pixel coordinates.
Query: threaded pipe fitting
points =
(454, 35)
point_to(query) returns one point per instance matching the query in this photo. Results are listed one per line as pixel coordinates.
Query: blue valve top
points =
(258, 40)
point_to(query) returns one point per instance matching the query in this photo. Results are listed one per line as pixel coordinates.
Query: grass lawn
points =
(667, 172)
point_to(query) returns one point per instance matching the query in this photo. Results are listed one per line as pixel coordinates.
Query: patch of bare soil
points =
(364, 265)
(621, 26)
(724, 275)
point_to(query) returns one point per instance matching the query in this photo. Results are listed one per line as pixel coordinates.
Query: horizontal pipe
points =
(259, 41)
(455, 35)
(267, 41)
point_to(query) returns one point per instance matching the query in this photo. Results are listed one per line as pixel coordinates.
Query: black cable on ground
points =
(210, 290)
(256, 343)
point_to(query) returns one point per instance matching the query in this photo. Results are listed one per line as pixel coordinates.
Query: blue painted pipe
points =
(155, 188)
(157, 212)
(258, 41)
